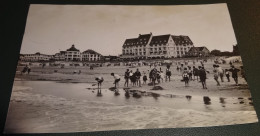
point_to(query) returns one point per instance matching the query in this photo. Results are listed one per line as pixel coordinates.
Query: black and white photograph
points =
(85, 68)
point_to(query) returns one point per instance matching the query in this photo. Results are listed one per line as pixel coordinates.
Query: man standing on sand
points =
(234, 71)
(185, 76)
(203, 76)
(127, 76)
(117, 79)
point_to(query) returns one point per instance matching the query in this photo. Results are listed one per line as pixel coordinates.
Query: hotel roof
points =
(91, 52)
(72, 48)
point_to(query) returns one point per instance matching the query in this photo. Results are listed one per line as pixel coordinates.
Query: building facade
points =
(72, 54)
(148, 46)
(35, 57)
(198, 52)
(90, 55)
(60, 56)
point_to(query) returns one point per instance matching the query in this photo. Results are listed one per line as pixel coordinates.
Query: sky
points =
(104, 28)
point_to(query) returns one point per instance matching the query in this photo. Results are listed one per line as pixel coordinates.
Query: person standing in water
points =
(127, 76)
(138, 76)
(117, 79)
(99, 81)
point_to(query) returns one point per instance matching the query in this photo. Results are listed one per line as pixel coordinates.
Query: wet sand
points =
(35, 112)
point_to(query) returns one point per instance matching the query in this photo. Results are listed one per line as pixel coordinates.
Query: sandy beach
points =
(49, 101)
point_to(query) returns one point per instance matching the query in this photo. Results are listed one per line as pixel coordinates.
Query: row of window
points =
(135, 43)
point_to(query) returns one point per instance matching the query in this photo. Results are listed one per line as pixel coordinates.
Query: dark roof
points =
(142, 39)
(182, 39)
(62, 52)
(91, 52)
(160, 39)
(72, 48)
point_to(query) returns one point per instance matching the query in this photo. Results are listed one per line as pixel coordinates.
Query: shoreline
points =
(55, 113)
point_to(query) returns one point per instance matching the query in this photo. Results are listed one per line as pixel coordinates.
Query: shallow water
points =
(85, 91)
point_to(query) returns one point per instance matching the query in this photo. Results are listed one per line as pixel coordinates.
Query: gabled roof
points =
(142, 39)
(160, 39)
(181, 39)
(91, 52)
(72, 48)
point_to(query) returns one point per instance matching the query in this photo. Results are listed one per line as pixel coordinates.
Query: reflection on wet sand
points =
(206, 100)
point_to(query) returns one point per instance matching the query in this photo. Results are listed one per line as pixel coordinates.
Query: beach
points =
(54, 99)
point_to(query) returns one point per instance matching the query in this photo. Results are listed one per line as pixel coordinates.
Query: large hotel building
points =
(147, 46)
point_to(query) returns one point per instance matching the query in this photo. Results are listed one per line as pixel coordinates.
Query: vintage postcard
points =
(115, 67)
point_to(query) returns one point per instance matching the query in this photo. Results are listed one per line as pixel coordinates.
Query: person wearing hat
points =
(234, 72)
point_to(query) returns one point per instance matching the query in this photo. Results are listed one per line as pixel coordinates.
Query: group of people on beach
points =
(154, 76)
(188, 74)
(218, 72)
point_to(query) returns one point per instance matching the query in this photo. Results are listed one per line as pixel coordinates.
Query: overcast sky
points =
(104, 28)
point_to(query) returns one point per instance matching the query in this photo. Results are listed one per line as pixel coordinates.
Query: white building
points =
(148, 46)
(60, 56)
(35, 57)
(90, 55)
(72, 54)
